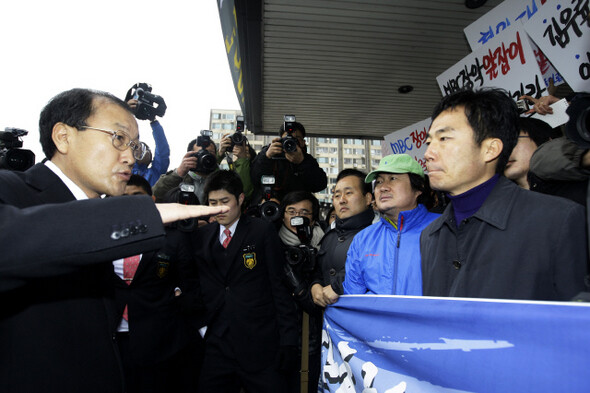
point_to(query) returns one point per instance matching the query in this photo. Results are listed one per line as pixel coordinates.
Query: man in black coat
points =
(250, 333)
(293, 171)
(57, 321)
(159, 307)
(495, 239)
(352, 203)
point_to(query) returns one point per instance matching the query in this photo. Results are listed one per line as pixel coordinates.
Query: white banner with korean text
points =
(410, 140)
(562, 30)
(506, 62)
(506, 14)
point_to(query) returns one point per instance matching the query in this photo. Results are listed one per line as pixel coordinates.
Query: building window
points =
(216, 116)
(228, 126)
(215, 126)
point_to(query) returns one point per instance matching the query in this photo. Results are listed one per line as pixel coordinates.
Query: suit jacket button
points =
(116, 235)
(142, 228)
(332, 272)
(125, 232)
(457, 264)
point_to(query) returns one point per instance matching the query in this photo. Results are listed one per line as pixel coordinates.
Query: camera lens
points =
(290, 145)
(270, 211)
(237, 138)
(294, 255)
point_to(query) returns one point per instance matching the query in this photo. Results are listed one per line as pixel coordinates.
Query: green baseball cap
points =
(396, 163)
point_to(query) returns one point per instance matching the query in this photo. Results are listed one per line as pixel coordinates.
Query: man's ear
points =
(61, 136)
(241, 199)
(368, 198)
(492, 148)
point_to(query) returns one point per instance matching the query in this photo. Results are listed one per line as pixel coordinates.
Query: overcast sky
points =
(176, 46)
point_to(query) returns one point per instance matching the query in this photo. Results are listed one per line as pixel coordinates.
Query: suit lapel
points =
(51, 188)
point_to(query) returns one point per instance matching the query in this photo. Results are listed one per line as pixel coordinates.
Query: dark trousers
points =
(179, 373)
(221, 372)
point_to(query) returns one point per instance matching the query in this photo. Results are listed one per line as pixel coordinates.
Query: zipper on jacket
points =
(396, 261)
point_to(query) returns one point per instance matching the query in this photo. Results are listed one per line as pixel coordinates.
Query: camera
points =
(206, 162)
(186, 196)
(578, 127)
(289, 142)
(148, 105)
(301, 259)
(238, 138)
(11, 157)
(269, 210)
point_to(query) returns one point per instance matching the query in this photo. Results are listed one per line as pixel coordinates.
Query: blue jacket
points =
(161, 160)
(385, 261)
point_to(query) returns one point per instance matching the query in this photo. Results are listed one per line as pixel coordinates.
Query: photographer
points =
(300, 262)
(196, 165)
(561, 166)
(294, 171)
(240, 156)
(161, 159)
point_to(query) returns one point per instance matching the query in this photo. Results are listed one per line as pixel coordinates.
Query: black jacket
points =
(306, 176)
(160, 323)
(57, 317)
(242, 286)
(519, 245)
(334, 247)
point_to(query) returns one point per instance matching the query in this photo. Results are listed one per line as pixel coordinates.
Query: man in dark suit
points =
(57, 321)
(251, 333)
(158, 305)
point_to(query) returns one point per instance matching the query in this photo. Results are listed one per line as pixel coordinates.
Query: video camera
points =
(148, 105)
(289, 142)
(238, 138)
(206, 162)
(11, 157)
(269, 210)
(301, 259)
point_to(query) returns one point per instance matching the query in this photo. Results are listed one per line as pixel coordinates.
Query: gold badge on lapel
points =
(250, 260)
(163, 262)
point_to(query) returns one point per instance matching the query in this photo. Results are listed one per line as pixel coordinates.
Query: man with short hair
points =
(295, 171)
(251, 333)
(57, 321)
(495, 239)
(384, 258)
(352, 203)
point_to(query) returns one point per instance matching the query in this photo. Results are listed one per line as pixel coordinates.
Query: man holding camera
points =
(287, 159)
(199, 161)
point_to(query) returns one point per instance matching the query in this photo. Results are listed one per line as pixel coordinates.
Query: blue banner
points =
(394, 344)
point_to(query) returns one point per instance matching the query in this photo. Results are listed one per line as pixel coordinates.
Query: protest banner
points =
(562, 30)
(506, 62)
(507, 13)
(410, 140)
(394, 344)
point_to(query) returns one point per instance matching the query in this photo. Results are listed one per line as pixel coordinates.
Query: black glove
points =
(288, 358)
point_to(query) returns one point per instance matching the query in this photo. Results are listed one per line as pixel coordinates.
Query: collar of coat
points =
(495, 210)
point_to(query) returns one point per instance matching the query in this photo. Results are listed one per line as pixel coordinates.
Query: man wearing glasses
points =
(57, 320)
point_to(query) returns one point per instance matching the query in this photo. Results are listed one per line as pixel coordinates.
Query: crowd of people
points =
(119, 275)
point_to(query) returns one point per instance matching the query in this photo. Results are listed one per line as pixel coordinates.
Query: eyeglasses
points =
(122, 141)
(302, 212)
